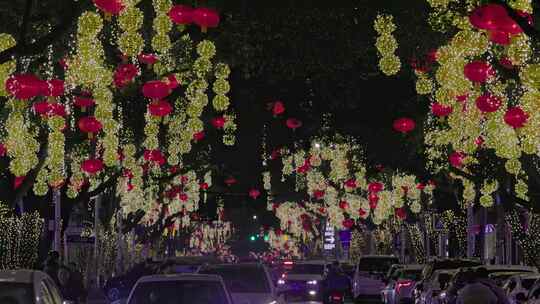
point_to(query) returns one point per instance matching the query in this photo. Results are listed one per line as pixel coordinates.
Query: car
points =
(180, 289)
(248, 283)
(303, 281)
(369, 276)
(29, 287)
(435, 285)
(400, 284)
(518, 286)
(533, 297)
(440, 264)
(185, 264)
(117, 288)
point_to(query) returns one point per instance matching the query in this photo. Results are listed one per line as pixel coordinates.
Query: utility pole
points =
(97, 204)
(57, 219)
(470, 232)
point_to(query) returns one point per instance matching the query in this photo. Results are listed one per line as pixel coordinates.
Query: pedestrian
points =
(52, 265)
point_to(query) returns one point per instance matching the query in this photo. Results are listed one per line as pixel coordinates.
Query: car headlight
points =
(281, 282)
(313, 282)
(273, 302)
(312, 293)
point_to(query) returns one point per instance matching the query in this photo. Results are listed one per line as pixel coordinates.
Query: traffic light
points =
(266, 238)
(253, 238)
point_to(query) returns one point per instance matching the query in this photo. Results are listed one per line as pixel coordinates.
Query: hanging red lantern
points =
(516, 117)
(404, 125)
(3, 150)
(124, 74)
(160, 108)
(205, 18)
(198, 136)
(488, 103)
(203, 186)
(155, 89)
(254, 193)
(183, 196)
(375, 187)
(41, 108)
(362, 212)
(420, 186)
(218, 122)
(89, 125)
(506, 63)
(18, 181)
(57, 109)
(154, 156)
(92, 166)
(508, 25)
(373, 199)
(343, 205)
(230, 181)
(441, 110)
(499, 37)
(401, 213)
(293, 123)
(181, 14)
(172, 82)
(83, 102)
(276, 153)
(351, 183)
(318, 194)
(456, 159)
(478, 71)
(462, 98)
(488, 17)
(348, 223)
(147, 59)
(109, 7)
(278, 108)
(322, 210)
(25, 86)
(54, 88)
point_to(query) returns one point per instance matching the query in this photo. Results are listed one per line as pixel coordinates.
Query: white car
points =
(400, 286)
(438, 282)
(179, 289)
(28, 286)
(248, 283)
(303, 282)
(369, 276)
(518, 286)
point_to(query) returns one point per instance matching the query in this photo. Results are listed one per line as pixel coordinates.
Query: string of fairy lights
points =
(19, 239)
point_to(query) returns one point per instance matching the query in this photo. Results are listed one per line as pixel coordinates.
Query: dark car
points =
(118, 288)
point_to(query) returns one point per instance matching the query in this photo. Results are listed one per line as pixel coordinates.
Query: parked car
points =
(400, 285)
(435, 285)
(533, 297)
(28, 287)
(369, 276)
(180, 289)
(246, 282)
(518, 286)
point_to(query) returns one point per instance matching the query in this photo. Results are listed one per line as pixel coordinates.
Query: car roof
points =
(508, 268)
(312, 262)
(20, 276)
(180, 277)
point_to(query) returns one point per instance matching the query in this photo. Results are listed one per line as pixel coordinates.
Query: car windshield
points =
(16, 293)
(241, 279)
(376, 264)
(307, 269)
(179, 292)
(410, 274)
(528, 283)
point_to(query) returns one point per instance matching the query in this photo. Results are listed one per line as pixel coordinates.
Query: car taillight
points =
(336, 296)
(403, 284)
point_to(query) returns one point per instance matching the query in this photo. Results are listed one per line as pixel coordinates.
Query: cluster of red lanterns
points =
(155, 156)
(204, 17)
(404, 125)
(46, 109)
(374, 188)
(495, 19)
(92, 166)
(27, 86)
(90, 125)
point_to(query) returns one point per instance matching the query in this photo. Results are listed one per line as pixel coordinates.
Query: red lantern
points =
(516, 117)
(57, 109)
(172, 82)
(3, 150)
(155, 89)
(54, 88)
(89, 125)
(41, 107)
(343, 205)
(440, 110)
(278, 108)
(218, 122)
(508, 25)
(254, 193)
(148, 59)
(25, 86)
(499, 37)
(488, 17)
(230, 181)
(322, 210)
(205, 18)
(293, 123)
(462, 98)
(404, 125)
(83, 102)
(373, 200)
(488, 103)
(92, 166)
(155, 156)
(276, 153)
(351, 183)
(401, 213)
(160, 108)
(362, 212)
(124, 74)
(198, 136)
(420, 186)
(203, 186)
(478, 71)
(18, 181)
(456, 159)
(183, 197)
(318, 194)
(348, 223)
(181, 14)
(375, 187)
(506, 63)
(109, 7)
